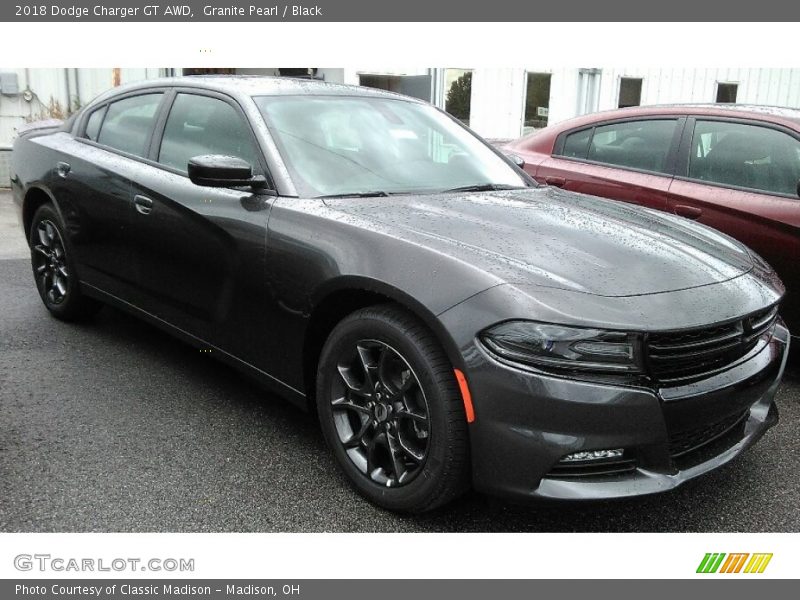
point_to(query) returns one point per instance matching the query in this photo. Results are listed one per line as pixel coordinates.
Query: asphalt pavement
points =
(113, 425)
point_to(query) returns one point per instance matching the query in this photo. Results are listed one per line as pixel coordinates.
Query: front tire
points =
(391, 411)
(53, 268)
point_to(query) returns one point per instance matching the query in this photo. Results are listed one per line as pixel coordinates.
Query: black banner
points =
(407, 11)
(397, 589)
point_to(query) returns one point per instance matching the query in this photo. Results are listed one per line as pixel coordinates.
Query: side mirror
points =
(517, 160)
(216, 170)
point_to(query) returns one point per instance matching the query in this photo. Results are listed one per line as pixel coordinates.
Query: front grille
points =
(678, 356)
(684, 442)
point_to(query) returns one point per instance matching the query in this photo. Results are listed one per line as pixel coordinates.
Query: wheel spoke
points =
(382, 374)
(344, 403)
(50, 231)
(398, 467)
(370, 370)
(371, 449)
(44, 238)
(59, 285)
(417, 457)
(407, 414)
(42, 250)
(353, 384)
(355, 440)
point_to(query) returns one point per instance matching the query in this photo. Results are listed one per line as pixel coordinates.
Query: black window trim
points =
(161, 124)
(81, 137)
(682, 170)
(672, 153)
(153, 143)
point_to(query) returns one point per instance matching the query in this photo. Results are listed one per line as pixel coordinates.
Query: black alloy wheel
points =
(391, 411)
(380, 413)
(53, 270)
(50, 262)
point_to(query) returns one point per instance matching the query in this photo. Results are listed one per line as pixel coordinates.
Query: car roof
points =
(789, 117)
(542, 139)
(257, 85)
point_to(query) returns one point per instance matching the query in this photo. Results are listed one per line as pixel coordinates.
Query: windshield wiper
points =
(375, 194)
(486, 187)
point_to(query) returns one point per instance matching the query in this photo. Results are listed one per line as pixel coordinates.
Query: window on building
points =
(416, 86)
(634, 144)
(588, 99)
(748, 156)
(458, 94)
(726, 92)
(128, 123)
(200, 125)
(630, 92)
(537, 101)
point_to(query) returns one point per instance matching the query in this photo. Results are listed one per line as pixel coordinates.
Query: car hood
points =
(553, 238)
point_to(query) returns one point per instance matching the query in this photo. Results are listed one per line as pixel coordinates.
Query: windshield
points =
(357, 145)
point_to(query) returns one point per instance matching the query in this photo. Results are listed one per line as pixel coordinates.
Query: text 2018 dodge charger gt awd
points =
(366, 256)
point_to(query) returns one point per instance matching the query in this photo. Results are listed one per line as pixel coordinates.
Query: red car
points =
(735, 168)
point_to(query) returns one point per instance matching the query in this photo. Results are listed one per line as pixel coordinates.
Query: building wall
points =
(69, 88)
(498, 95)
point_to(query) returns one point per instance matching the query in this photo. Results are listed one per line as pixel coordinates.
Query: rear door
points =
(630, 160)
(741, 177)
(93, 186)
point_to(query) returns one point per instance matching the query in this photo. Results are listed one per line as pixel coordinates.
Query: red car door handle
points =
(555, 181)
(690, 212)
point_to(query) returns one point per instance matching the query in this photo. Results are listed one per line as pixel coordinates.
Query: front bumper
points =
(527, 422)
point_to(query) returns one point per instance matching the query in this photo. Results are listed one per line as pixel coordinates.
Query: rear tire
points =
(391, 411)
(53, 268)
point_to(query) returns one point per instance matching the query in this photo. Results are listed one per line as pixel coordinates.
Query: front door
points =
(200, 250)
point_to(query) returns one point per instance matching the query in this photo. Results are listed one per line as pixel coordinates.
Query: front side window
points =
(351, 145)
(634, 144)
(747, 156)
(128, 123)
(200, 125)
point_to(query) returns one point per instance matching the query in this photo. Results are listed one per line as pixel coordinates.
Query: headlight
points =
(570, 348)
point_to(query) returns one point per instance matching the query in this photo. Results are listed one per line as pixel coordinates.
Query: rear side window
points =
(576, 145)
(202, 125)
(746, 156)
(93, 124)
(640, 145)
(128, 123)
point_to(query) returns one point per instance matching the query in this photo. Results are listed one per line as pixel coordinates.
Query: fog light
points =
(593, 455)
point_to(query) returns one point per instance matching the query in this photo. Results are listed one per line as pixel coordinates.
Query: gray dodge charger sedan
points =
(451, 324)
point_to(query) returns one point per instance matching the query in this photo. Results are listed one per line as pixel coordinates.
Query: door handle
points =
(63, 169)
(555, 181)
(690, 212)
(143, 204)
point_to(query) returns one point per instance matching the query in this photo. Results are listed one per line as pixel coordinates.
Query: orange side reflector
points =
(465, 395)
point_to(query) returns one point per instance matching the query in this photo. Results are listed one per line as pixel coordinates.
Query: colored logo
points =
(741, 562)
